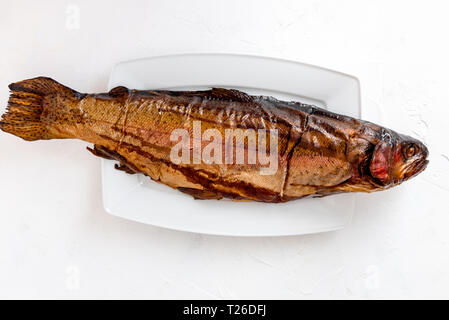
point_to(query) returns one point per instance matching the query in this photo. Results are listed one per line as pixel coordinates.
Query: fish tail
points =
(27, 102)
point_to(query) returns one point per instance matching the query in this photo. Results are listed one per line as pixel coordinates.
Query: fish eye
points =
(410, 150)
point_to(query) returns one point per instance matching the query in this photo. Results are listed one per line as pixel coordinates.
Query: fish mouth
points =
(414, 169)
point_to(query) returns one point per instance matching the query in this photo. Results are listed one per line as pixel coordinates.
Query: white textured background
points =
(56, 241)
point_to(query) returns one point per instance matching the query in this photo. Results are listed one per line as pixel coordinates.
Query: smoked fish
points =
(185, 140)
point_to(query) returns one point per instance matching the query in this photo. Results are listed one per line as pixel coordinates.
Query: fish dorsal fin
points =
(213, 94)
(229, 95)
(117, 92)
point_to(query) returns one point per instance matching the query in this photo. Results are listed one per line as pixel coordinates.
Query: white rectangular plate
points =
(137, 198)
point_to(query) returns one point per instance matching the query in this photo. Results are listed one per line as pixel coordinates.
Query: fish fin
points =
(214, 93)
(101, 152)
(230, 94)
(125, 168)
(25, 106)
(118, 92)
(201, 194)
(105, 153)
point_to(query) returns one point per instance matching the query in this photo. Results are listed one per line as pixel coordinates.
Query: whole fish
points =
(185, 139)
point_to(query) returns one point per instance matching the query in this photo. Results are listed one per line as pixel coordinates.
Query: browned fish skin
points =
(319, 152)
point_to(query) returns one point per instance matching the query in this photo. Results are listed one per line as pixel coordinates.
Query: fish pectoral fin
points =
(201, 194)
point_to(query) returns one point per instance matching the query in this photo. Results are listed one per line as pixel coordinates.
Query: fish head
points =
(397, 158)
